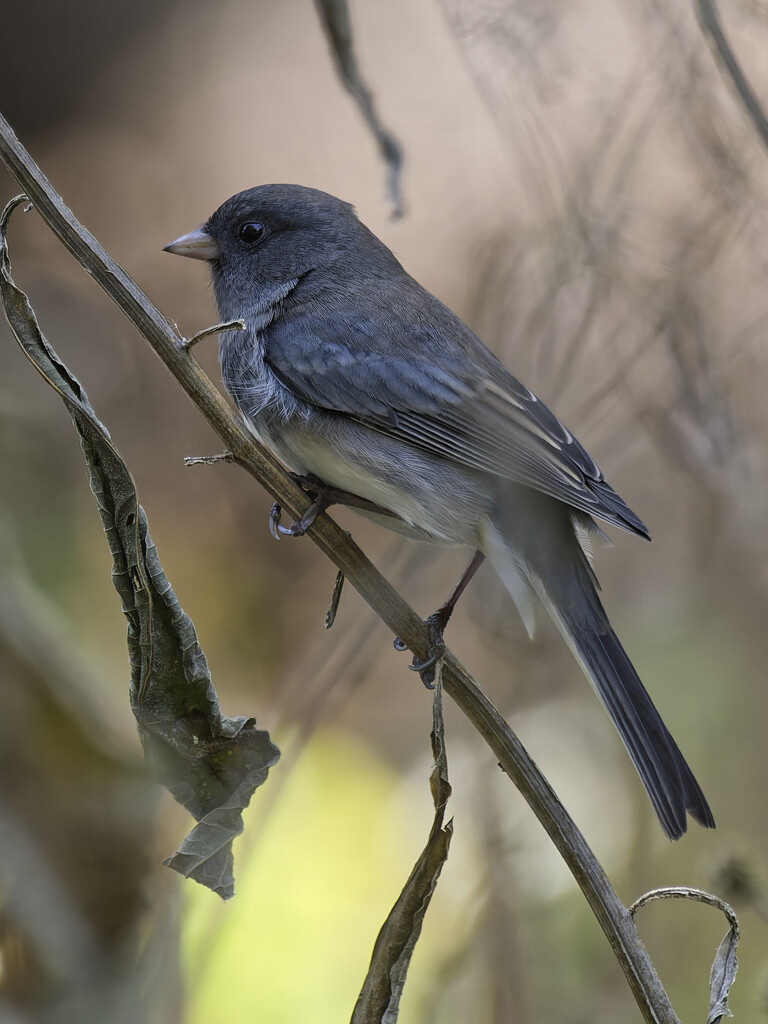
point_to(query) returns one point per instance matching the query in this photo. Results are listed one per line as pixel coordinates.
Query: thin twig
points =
(401, 619)
(709, 21)
(334, 17)
(232, 325)
(208, 460)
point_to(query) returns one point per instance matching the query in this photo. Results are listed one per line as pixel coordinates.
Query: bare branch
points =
(613, 916)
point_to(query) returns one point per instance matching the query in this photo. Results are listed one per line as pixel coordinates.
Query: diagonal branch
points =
(707, 12)
(334, 17)
(515, 761)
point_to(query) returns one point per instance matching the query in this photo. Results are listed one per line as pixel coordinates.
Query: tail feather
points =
(660, 764)
(534, 543)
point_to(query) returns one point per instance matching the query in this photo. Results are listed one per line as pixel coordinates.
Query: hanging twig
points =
(711, 25)
(334, 17)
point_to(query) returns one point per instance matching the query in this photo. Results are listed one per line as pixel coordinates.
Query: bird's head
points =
(261, 239)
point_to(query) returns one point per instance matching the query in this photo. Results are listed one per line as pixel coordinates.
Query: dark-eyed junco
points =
(350, 371)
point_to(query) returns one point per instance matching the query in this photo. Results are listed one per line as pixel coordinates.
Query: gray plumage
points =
(349, 370)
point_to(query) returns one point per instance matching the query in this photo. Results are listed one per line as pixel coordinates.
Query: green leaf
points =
(211, 764)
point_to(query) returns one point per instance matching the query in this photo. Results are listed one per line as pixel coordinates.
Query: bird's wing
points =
(421, 376)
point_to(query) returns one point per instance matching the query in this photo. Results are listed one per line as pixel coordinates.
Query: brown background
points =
(585, 190)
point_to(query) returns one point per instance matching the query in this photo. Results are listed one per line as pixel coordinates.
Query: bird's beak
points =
(198, 245)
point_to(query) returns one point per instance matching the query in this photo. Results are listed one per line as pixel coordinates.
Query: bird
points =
(359, 379)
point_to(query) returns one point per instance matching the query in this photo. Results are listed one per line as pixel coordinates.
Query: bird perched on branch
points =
(354, 375)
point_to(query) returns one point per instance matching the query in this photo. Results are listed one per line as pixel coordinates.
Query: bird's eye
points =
(251, 232)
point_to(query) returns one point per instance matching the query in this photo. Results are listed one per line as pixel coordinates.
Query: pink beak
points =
(198, 245)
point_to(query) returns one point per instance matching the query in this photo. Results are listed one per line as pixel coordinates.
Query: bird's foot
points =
(322, 497)
(427, 668)
(298, 527)
(436, 624)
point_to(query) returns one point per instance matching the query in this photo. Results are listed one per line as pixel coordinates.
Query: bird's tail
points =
(568, 590)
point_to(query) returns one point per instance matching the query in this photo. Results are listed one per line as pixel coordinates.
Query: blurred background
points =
(584, 189)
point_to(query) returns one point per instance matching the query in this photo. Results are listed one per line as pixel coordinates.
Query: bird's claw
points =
(274, 520)
(297, 528)
(428, 666)
(323, 496)
(427, 669)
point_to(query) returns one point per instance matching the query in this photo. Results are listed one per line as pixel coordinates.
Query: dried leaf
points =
(439, 784)
(723, 975)
(379, 999)
(211, 764)
(725, 965)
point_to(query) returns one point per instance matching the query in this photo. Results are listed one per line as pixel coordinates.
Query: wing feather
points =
(417, 373)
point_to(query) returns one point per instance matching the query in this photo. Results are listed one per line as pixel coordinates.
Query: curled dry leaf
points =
(725, 964)
(379, 999)
(210, 763)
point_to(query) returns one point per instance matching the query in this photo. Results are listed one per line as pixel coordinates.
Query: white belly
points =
(429, 511)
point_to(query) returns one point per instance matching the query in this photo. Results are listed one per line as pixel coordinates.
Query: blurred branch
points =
(613, 916)
(77, 823)
(31, 628)
(47, 913)
(334, 17)
(708, 17)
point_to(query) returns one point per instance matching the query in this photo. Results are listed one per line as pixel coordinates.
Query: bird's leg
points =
(323, 496)
(437, 622)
